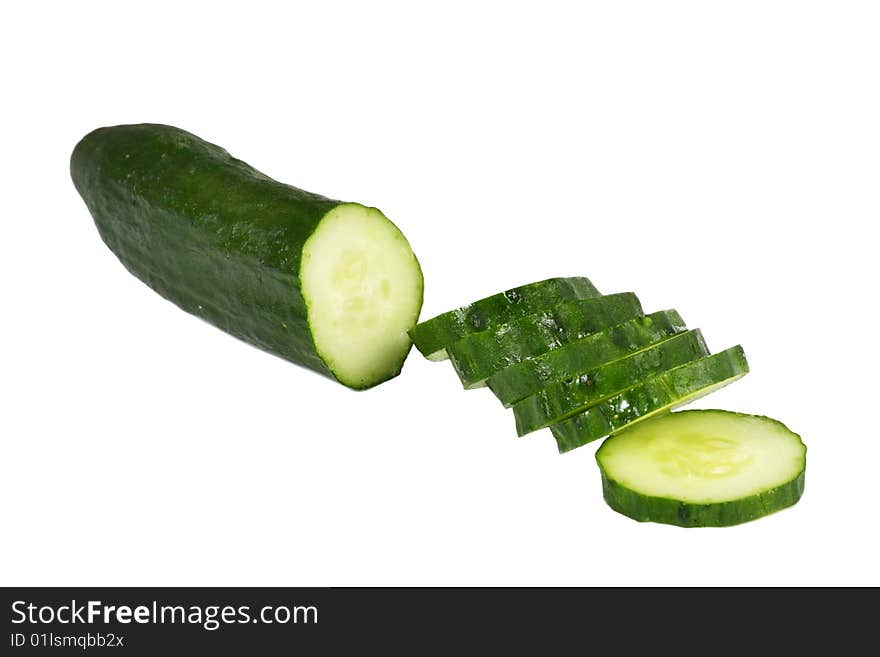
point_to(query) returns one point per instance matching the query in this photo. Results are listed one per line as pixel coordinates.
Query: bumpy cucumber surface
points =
(562, 399)
(433, 336)
(702, 468)
(653, 396)
(479, 356)
(520, 380)
(329, 285)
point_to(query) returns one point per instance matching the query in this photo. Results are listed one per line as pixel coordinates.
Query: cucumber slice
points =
(518, 381)
(653, 396)
(433, 336)
(479, 356)
(565, 398)
(703, 468)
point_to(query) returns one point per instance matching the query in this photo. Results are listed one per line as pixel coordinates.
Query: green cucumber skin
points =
(565, 398)
(436, 334)
(645, 508)
(206, 231)
(479, 356)
(515, 383)
(723, 514)
(623, 410)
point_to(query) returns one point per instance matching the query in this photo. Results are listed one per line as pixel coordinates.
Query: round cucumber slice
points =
(702, 468)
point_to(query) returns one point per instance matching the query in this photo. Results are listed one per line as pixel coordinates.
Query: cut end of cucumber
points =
(363, 288)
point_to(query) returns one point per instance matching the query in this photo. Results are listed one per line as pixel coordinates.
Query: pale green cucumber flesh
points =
(702, 468)
(653, 396)
(433, 336)
(562, 399)
(363, 290)
(525, 378)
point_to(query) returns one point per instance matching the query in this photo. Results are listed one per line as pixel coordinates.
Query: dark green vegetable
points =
(525, 378)
(562, 399)
(479, 356)
(329, 285)
(651, 397)
(433, 336)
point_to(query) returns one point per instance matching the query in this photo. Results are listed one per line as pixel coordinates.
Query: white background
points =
(719, 158)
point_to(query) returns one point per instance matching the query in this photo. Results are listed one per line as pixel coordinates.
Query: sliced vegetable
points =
(703, 468)
(329, 285)
(479, 356)
(653, 396)
(562, 399)
(433, 336)
(525, 378)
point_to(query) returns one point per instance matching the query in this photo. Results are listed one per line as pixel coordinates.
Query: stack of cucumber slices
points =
(585, 365)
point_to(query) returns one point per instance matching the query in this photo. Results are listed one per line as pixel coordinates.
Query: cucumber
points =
(703, 468)
(653, 396)
(520, 380)
(478, 356)
(562, 399)
(328, 285)
(433, 336)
